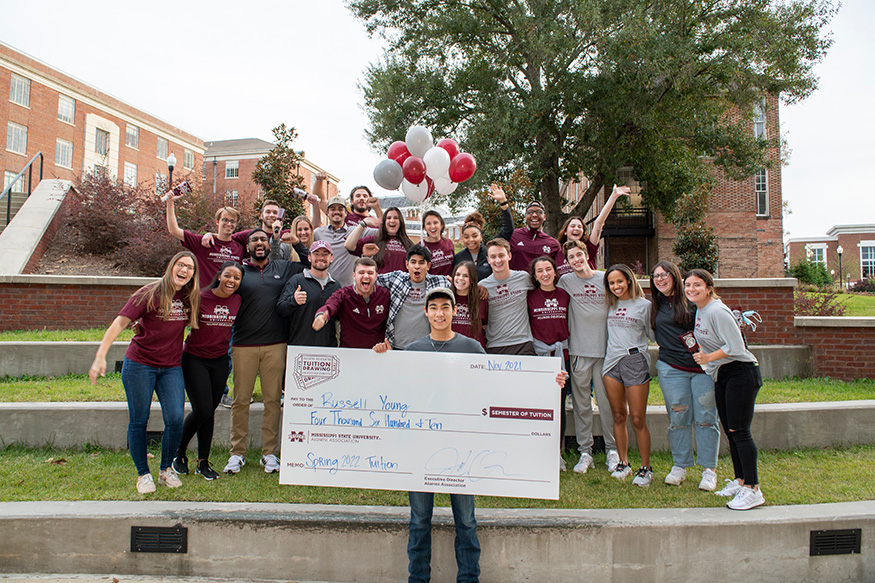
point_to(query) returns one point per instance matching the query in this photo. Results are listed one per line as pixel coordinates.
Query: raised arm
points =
(596, 234)
(374, 204)
(172, 224)
(496, 193)
(320, 191)
(353, 238)
(98, 367)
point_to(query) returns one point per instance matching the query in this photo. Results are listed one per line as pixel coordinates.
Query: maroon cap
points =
(320, 244)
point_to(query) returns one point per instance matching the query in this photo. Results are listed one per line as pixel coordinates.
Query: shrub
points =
(100, 209)
(812, 273)
(695, 243)
(823, 303)
(864, 286)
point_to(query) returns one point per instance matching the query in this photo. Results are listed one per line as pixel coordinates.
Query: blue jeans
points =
(419, 541)
(140, 381)
(689, 398)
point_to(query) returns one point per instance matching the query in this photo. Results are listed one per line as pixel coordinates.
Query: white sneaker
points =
(168, 478)
(613, 459)
(643, 477)
(730, 489)
(145, 484)
(709, 481)
(562, 466)
(235, 464)
(622, 471)
(584, 464)
(746, 499)
(270, 463)
(676, 476)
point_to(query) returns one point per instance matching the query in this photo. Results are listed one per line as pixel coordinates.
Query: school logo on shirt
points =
(222, 311)
(545, 248)
(380, 308)
(314, 369)
(225, 251)
(551, 303)
(621, 312)
(501, 289)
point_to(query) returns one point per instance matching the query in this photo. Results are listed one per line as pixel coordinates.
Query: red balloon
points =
(430, 183)
(450, 146)
(462, 167)
(414, 170)
(398, 151)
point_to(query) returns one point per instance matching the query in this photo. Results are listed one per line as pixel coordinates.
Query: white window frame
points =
(816, 253)
(131, 174)
(132, 136)
(231, 198)
(64, 153)
(66, 109)
(19, 90)
(163, 147)
(187, 159)
(20, 186)
(759, 120)
(761, 178)
(869, 245)
(232, 169)
(104, 138)
(16, 138)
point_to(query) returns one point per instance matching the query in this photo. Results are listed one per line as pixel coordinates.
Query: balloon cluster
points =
(420, 167)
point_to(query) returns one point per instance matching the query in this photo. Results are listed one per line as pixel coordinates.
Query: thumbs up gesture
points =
(300, 296)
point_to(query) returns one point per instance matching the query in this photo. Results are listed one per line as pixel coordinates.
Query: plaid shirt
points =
(398, 284)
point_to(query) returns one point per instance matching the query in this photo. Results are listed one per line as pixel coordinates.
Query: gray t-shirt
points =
(411, 323)
(587, 314)
(628, 327)
(716, 329)
(341, 267)
(508, 323)
(458, 343)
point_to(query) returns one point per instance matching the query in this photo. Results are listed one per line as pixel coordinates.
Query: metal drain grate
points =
(159, 539)
(835, 542)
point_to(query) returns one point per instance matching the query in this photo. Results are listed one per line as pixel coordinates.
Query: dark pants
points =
(736, 391)
(204, 382)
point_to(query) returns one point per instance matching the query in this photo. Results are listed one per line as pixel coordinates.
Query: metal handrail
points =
(29, 168)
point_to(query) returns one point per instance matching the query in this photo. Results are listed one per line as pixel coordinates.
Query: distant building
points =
(858, 250)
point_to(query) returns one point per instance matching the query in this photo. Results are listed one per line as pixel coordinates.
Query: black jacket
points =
(301, 331)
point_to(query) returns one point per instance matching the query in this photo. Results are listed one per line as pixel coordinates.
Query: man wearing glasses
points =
(530, 242)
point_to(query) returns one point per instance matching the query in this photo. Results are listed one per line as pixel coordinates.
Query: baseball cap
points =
(441, 292)
(336, 200)
(320, 244)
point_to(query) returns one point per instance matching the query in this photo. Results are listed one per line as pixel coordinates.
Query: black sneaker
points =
(180, 465)
(203, 468)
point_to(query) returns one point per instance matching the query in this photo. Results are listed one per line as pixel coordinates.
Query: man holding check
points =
(440, 307)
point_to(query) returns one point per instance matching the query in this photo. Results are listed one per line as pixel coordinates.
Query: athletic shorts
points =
(631, 370)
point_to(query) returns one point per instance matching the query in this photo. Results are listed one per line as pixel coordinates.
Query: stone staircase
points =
(17, 199)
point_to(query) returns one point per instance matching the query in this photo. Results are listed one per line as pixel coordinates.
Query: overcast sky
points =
(224, 70)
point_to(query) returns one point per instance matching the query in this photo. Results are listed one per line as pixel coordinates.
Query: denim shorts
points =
(631, 370)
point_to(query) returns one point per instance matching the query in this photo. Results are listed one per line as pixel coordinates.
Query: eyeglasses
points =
(659, 276)
(185, 266)
(534, 212)
(228, 221)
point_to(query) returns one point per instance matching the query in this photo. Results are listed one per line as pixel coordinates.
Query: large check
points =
(421, 421)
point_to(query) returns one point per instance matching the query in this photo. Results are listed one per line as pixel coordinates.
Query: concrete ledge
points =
(834, 321)
(340, 543)
(775, 426)
(76, 280)
(20, 239)
(742, 282)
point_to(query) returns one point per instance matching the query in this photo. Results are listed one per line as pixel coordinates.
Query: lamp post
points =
(841, 275)
(171, 163)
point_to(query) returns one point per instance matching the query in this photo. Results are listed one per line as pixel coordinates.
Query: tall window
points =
(16, 138)
(231, 198)
(66, 109)
(20, 185)
(188, 159)
(163, 148)
(761, 188)
(132, 136)
(232, 169)
(19, 90)
(101, 141)
(817, 255)
(867, 259)
(759, 120)
(130, 174)
(64, 153)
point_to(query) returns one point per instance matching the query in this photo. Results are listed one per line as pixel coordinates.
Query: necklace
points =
(442, 343)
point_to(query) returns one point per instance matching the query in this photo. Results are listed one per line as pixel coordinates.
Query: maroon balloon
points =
(462, 167)
(450, 146)
(398, 151)
(414, 170)
(430, 183)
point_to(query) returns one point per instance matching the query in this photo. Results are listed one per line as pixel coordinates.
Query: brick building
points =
(857, 243)
(747, 217)
(79, 128)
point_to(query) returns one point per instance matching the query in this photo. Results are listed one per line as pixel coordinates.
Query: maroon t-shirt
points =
(548, 315)
(394, 258)
(362, 323)
(442, 253)
(210, 259)
(215, 319)
(462, 319)
(159, 343)
(591, 254)
(526, 245)
(353, 219)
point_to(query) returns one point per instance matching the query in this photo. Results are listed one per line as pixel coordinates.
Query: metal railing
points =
(7, 191)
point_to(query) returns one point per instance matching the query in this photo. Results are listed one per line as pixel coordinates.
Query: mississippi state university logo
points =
(501, 290)
(315, 369)
(379, 309)
(551, 304)
(545, 249)
(296, 436)
(222, 311)
(621, 312)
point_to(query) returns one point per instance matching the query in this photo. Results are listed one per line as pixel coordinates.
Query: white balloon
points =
(418, 141)
(415, 192)
(437, 162)
(388, 174)
(443, 184)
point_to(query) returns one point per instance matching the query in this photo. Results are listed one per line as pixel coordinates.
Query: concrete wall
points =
(367, 544)
(28, 234)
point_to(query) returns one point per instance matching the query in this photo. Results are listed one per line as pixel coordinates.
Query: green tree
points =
(558, 87)
(276, 173)
(694, 245)
(811, 273)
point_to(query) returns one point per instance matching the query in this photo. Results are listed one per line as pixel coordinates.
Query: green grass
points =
(846, 474)
(91, 335)
(858, 305)
(792, 390)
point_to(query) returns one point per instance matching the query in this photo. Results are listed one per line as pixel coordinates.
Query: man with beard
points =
(335, 233)
(258, 347)
(362, 308)
(530, 242)
(307, 292)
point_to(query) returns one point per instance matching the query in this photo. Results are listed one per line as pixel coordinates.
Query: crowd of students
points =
(360, 282)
